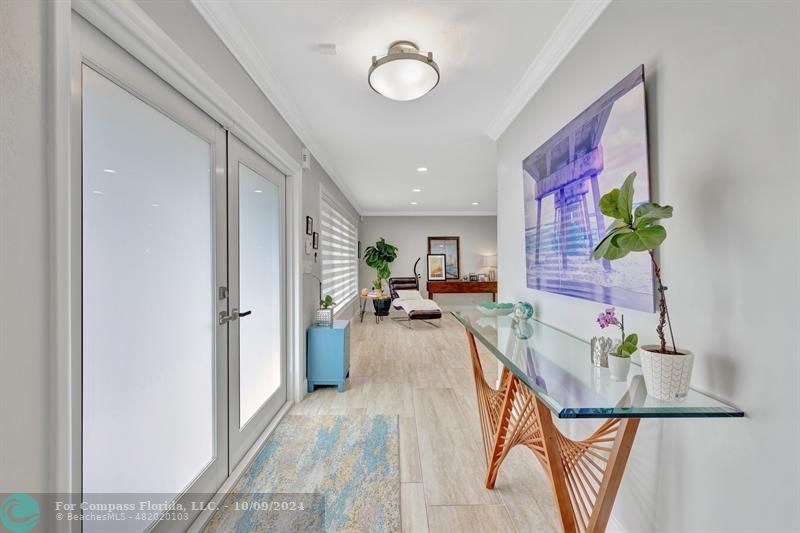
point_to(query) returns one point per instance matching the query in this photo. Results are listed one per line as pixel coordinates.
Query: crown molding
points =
(130, 27)
(578, 19)
(429, 214)
(219, 15)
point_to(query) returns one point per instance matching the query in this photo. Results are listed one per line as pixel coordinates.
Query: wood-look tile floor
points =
(424, 376)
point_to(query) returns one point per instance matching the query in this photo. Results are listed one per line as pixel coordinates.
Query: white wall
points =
(724, 120)
(25, 355)
(478, 237)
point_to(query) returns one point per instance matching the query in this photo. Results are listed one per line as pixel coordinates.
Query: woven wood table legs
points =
(585, 475)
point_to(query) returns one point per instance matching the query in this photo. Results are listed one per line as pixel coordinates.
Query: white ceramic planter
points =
(666, 376)
(618, 367)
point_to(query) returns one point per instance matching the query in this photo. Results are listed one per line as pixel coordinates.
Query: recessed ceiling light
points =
(258, 191)
(475, 203)
(416, 190)
(413, 203)
(403, 73)
(97, 191)
(422, 169)
(109, 171)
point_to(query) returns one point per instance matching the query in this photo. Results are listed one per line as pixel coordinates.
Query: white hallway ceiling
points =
(369, 144)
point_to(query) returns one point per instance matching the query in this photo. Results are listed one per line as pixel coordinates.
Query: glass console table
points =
(548, 372)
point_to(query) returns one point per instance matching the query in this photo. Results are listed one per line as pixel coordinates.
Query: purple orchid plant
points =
(629, 344)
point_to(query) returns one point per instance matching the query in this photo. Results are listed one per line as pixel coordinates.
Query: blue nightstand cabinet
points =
(328, 355)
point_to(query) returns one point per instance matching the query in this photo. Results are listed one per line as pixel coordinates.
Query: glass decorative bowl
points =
(495, 309)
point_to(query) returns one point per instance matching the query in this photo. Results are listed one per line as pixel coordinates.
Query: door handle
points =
(224, 317)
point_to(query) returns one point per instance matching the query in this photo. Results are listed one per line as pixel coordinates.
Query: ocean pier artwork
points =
(564, 180)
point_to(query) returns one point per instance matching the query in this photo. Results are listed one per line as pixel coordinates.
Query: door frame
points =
(127, 25)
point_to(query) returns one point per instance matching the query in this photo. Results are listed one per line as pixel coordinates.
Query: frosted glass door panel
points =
(148, 296)
(256, 273)
(260, 291)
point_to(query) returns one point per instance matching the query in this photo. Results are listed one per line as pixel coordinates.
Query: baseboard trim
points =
(203, 518)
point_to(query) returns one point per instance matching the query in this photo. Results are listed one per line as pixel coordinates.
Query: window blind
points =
(338, 242)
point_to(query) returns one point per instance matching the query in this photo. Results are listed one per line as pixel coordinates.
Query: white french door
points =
(154, 357)
(257, 378)
(182, 275)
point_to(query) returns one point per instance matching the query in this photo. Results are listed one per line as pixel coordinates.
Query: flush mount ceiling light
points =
(404, 73)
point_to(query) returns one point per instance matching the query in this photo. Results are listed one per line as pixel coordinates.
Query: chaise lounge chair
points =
(406, 297)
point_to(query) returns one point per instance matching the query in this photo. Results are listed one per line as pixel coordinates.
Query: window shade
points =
(338, 251)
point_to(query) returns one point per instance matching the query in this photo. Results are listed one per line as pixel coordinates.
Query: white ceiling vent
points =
(326, 49)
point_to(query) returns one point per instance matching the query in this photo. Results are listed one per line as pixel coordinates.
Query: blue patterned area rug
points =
(319, 473)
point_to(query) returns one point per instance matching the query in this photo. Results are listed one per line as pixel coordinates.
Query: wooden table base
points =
(585, 475)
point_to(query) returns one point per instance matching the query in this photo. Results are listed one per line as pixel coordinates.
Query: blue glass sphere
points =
(523, 311)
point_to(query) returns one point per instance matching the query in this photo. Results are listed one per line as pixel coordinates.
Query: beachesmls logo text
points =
(19, 513)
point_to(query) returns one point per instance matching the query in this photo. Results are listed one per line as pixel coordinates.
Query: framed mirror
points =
(450, 247)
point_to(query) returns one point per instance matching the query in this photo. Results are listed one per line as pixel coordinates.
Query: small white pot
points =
(666, 376)
(618, 367)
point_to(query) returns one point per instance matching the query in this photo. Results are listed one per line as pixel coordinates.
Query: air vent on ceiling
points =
(326, 49)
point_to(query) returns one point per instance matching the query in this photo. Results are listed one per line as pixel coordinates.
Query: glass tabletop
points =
(557, 367)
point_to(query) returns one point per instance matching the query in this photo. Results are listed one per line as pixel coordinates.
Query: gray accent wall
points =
(723, 89)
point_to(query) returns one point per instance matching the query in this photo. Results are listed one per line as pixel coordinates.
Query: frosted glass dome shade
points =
(404, 74)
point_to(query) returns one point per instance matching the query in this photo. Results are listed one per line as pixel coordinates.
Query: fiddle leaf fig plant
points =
(636, 231)
(379, 257)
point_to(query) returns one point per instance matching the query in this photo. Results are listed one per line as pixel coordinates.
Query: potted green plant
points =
(666, 369)
(619, 359)
(324, 317)
(379, 257)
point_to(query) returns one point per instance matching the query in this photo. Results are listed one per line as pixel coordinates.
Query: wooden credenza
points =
(462, 287)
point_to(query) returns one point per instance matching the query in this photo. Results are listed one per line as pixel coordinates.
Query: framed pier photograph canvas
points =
(564, 179)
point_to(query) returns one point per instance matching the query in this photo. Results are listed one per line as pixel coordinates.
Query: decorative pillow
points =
(409, 295)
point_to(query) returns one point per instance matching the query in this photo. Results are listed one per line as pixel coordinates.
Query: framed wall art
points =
(437, 267)
(564, 179)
